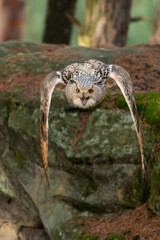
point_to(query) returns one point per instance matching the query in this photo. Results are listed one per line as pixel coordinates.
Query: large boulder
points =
(94, 157)
(16, 222)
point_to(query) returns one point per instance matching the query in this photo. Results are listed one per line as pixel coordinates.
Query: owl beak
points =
(84, 99)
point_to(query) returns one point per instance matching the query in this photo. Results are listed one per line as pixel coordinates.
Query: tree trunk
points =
(155, 38)
(11, 19)
(1, 24)
(58, 26)
(106, 23)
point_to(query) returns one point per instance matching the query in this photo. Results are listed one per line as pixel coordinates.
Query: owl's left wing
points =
(47, 87)
(124, 81)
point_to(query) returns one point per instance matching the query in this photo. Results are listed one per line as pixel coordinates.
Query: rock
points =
(95, 173)
(154, 200)
(16, 222)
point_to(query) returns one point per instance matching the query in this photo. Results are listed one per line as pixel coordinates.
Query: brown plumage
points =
(85, 85)
(47, 87)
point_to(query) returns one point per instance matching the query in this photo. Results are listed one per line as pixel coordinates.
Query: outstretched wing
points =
(124, 81)
(46, 90)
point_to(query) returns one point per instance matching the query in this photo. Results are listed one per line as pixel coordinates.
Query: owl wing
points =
(46, 90)
(124, 81)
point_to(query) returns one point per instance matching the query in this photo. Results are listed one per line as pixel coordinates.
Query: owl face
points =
(85, 92)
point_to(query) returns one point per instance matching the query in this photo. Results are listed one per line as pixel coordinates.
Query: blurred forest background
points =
(95, 23)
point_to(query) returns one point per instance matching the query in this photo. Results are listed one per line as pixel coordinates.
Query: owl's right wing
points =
(124, 82)
(46, 90)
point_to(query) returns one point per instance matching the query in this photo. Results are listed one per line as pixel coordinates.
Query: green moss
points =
(137, 237)
(83, 236)
(26, 46)
(90, 188)
(19, 159)
(8, 106)
(9, 100)
(116, 237)
(148, 106)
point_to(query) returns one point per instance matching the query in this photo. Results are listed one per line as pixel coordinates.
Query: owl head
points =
(85, 90)
(85, 85)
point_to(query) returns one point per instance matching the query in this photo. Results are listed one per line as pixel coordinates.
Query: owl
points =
(85, 85)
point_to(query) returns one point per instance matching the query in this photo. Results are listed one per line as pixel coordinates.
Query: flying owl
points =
(85, 85)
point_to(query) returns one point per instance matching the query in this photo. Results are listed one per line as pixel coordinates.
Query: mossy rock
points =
(154, 200)
(147, 106)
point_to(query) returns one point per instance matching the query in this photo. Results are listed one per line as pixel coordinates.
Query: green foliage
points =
(147, 10)
(36, 13)
(82, 236)
(148, 106)
(137, 237)
(116, 237)
(35, 20)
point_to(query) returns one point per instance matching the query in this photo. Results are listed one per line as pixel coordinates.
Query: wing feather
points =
(124, 81)
(46, 90)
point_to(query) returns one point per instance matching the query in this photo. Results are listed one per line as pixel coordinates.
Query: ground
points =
(139, 224)
(143, 68)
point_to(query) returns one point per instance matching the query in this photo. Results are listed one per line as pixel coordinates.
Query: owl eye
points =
(77, 90)
(91, 91)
